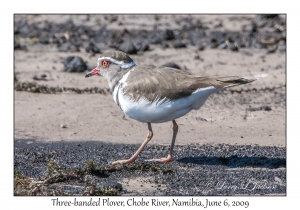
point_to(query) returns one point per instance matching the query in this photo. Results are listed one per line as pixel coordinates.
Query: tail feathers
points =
(233, 81)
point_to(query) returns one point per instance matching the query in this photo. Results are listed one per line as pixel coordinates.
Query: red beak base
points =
(93, 72)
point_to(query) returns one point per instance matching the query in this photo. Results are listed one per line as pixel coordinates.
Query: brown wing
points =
(157, 83)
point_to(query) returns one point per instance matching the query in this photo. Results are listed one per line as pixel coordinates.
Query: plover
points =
(151, 94)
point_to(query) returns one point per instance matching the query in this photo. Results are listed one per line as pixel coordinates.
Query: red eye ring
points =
(105, 63)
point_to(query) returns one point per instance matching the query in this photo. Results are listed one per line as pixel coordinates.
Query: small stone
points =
(142, 47)
(272, 49)
(266, 108)
(165, 45)
(213, 45)
(197, 57)
(233, 47)
(74, 64)
(179, 45)
(128, 47)
(242, 137)
(168, 34)
(201, 47)
(91, 47)
(63, 126)
(223, 46)
(155, 40)
(282, 48)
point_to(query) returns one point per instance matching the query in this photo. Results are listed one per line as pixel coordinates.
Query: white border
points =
(153, 7)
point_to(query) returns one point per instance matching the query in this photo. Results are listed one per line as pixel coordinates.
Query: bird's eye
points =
(105, 63)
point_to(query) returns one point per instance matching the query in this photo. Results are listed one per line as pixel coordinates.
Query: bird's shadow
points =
(234, 161)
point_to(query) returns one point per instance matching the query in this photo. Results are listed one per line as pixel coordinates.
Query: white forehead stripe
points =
(120, 63)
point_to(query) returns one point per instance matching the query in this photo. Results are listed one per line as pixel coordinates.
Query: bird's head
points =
(110, 63)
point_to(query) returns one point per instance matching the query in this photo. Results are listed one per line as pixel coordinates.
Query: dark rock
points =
(201, 47)
(102, 35)
(213, 43)
(40, 77)
(68, 47)
(91, 47)
(197, 57)
(272, 49)
(269, 16)
(201, 119)
(233, 47)
(18, 46)
(282, 48)
(223, 46)
(252, 29)
(168, 34)
(111, 184)
(44, 39)
(117, 36)
(15, 76)
(128, 47)
(142, 46)
(155, 40)
(258, 45)
(74, 64)
(179, 44)
(165, 45)
(264, 108)
(171, 65)
(113, 18)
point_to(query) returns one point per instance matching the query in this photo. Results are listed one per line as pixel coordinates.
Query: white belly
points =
(162, 111)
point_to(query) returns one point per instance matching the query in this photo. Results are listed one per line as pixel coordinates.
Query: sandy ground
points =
(39, 117)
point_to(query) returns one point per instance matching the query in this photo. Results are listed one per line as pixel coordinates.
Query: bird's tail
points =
(233, 81)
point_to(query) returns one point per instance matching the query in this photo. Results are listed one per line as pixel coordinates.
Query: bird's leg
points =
(133, 157)
(169, 158)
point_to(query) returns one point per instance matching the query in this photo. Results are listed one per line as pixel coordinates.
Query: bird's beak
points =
(93, 72)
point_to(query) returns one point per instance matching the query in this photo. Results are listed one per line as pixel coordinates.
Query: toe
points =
(162, 160)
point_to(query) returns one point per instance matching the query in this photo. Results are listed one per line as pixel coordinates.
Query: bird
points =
(151, 94)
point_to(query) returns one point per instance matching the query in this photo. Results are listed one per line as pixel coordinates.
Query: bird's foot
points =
(162, 160)
(123, 161)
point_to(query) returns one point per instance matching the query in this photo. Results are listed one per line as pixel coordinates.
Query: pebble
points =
(233, 47)
(142, 46)
(223, 46)
(179, 44)
(168, 34)
(201, 47)
(264, 108)
(68, 47)
(128, 47)
(272, 49)
(91, 47)
(74, 64)
(165, 45)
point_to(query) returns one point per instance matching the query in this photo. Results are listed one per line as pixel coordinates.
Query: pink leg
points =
(133, 157)
(169, 158)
